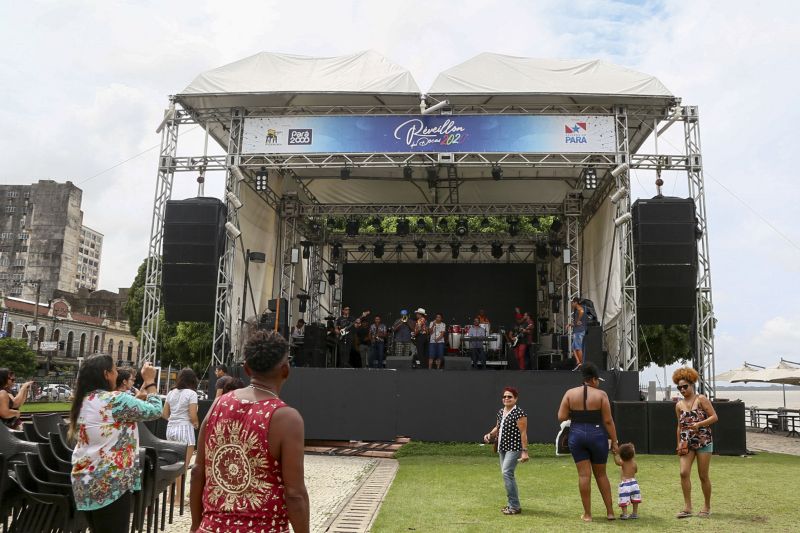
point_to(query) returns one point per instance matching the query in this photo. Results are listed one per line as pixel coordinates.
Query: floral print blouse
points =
(105, 462)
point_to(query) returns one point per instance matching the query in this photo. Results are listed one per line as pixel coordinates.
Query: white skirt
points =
(181, 432)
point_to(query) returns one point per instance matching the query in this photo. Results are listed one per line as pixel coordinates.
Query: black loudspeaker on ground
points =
(194, 236)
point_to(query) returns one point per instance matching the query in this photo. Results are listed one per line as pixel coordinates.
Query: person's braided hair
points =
(264, 350)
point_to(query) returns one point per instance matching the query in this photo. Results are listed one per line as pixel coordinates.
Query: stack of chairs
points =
(35, 484)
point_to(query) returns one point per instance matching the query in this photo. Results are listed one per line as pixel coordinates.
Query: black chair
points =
(31, 434)
(63, 430)
(169, 453)
(52, 462)
(44, 424)
(9, 494)
(48, 507)
(59, 449)
(165, 476)
(13, 448)
(40, 471)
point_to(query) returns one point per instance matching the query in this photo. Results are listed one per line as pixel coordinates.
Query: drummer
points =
(476, 349)
(482, 318)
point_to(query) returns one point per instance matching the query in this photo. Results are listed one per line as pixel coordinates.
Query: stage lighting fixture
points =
(497, 172)
(437, 248)
(443, 223)
(620, 169)
(455, 248)
(590, 178)
(234, 201)
(420, 248)
(331, 272)
(408, 173)
(336, 251)
(378, 250)
(555, 249)
(622, 219)
(421, 226)
(541, 250)
(462, 227)
(485, 223)
(322, 286)
(232, 231)
(304, 298)
(294, 255)
(425, 110)
(556, 226)
(352, 227)
(511, 249)
(513, 226)
(403, 227)
(535, 222)
(331, 222)
(433, 176)
(344, 173)
(315, 226)
(497, 250)
(261, 179)
(306, 248)
(619, 194)
(362, 248)
(237, 173)
(474, 248)
(398, 248)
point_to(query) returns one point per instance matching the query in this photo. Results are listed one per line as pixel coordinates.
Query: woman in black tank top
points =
(589, 433)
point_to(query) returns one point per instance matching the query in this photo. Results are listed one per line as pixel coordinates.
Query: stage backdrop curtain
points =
(598, 237)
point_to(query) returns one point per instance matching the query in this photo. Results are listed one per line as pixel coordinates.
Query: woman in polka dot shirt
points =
(511, 433)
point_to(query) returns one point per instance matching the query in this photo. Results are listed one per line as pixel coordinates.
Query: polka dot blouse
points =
(509, 439)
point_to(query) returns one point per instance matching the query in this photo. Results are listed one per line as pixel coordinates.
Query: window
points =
(12, 194)
(121, 347)
(17, 277)
(19, 262)
(23, 236)
(6, 236)
(10, 209)
(27, 194)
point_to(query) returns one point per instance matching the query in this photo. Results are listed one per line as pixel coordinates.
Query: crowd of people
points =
(592, 434)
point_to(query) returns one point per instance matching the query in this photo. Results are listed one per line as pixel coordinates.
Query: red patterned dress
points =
(244, 490)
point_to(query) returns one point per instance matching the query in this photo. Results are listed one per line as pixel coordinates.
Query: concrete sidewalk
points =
(772, 442)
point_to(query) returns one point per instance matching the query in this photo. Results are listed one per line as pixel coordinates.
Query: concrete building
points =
(89, 255)
(102, 303)
(40, 234)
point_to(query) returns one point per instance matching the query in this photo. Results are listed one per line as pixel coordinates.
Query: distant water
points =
(758, 398)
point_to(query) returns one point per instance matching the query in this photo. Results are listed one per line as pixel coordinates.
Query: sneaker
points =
(633, 516)
(577, 368)
(509, 510)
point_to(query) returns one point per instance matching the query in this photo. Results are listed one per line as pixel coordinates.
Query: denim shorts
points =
(436, 350)
(588, 441)
(708, 448)
(577, 340)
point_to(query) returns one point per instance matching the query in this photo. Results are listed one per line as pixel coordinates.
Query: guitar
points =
(346, 330)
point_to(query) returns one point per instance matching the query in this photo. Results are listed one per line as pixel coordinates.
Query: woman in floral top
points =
(105, 462)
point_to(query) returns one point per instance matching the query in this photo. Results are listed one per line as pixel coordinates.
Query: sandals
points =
(684, 514)
(510, 511)
(704, 514)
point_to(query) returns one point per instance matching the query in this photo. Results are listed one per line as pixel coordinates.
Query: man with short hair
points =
(377, 337)
(220, 371)
(402, 330)
(476, 348)
(578, 326)
(344, 337)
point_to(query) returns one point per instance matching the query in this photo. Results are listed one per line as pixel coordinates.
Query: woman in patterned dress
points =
(105, 461)
(248, 472)
(511, 434)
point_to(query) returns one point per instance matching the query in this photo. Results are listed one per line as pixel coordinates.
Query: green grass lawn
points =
(45, 407)
(459, 488)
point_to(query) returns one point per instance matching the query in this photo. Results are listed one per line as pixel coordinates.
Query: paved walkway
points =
(772, 442)
(331, 482)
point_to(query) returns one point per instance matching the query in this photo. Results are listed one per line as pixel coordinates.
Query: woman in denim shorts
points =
(591, 426)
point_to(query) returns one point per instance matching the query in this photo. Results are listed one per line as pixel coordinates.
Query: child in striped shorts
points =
(629, 493)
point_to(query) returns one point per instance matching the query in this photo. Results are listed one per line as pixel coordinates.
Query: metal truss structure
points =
(301, 214)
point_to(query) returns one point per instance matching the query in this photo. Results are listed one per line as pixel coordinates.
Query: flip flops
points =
(704, 514)
(509, 511)
(683, 514)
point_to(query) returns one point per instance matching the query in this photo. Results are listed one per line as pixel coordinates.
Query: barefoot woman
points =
(695, 416)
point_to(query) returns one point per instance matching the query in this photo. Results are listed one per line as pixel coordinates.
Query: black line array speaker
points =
(267, 320)
(661, 428)
(593, 346)
(729, 433)
(194, 236)
(314, 347)
(631, 421)
(665, 248)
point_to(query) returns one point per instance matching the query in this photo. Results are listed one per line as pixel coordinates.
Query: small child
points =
(629, 492)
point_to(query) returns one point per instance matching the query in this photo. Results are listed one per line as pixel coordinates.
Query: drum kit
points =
(459, 342)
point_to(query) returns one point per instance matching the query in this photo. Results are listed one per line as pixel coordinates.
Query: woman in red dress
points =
(248, 474)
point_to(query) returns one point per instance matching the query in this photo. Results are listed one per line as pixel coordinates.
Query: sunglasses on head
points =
(683, 387)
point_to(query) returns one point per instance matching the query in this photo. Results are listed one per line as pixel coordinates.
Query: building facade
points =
(40, 233)
(89, 255)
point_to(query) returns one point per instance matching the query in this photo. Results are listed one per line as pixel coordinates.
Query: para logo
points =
(575, 133)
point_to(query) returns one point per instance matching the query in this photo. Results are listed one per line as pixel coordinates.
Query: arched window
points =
(57, 335)
(110, 347)
(24, 332)
(41, 334)
(83, 344)
(70, 338)
(120, 348)
(10, 329)
(130, 351)
(96, 344)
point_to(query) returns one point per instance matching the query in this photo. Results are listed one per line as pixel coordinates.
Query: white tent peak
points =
(490, 73)
(270, 72)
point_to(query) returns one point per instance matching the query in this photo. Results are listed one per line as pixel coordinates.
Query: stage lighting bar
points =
(261, 179)
(590, 178)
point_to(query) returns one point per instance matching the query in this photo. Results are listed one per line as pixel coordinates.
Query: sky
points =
(85, 85)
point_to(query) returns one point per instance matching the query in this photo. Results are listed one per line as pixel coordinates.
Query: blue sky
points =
(85, 85)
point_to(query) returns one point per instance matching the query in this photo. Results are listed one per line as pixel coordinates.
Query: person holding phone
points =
(9, 405)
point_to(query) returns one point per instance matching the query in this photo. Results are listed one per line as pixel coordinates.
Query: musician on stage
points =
(421, 337)
(403, 329)
(476, 348)
(578, 326)
(363, 340)
(437, 329)
(297, 336)
(522, 337)
(344, 327)
(377, 337)
(482, 318)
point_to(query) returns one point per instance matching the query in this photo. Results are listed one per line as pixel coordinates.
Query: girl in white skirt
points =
(180, 410)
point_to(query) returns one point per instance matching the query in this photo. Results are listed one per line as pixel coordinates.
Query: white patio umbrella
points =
(783, 373)
(745, 372)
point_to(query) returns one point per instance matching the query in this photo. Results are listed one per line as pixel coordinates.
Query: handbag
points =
(683, 447)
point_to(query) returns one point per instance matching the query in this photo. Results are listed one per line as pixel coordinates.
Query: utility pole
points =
(35, 331)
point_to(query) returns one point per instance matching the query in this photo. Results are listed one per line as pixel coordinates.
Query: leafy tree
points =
(663, 345)
(17, 356)
(135, 303)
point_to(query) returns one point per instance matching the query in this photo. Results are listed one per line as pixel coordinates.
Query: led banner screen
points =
(420, 133)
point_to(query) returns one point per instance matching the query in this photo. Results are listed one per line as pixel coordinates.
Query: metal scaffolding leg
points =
(152, 284)
(289, 242)
(572, 210)
(705, 307)
(225, 343)
(628, 332)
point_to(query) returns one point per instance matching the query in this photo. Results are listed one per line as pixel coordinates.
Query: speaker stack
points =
(665, 249)
(277, 310)
(314, 348)
(194, 236)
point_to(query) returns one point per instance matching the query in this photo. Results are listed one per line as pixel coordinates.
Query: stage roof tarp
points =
(488, 77)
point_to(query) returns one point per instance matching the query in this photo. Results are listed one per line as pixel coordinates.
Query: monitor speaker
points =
(729, 433)
(661, 426)
(665, 249)
(194, 237)
(593, 346)
(632, 424)
(314, 348)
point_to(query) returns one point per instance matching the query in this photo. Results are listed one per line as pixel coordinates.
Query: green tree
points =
(663, 345)
(135, 303)
(17, 356)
